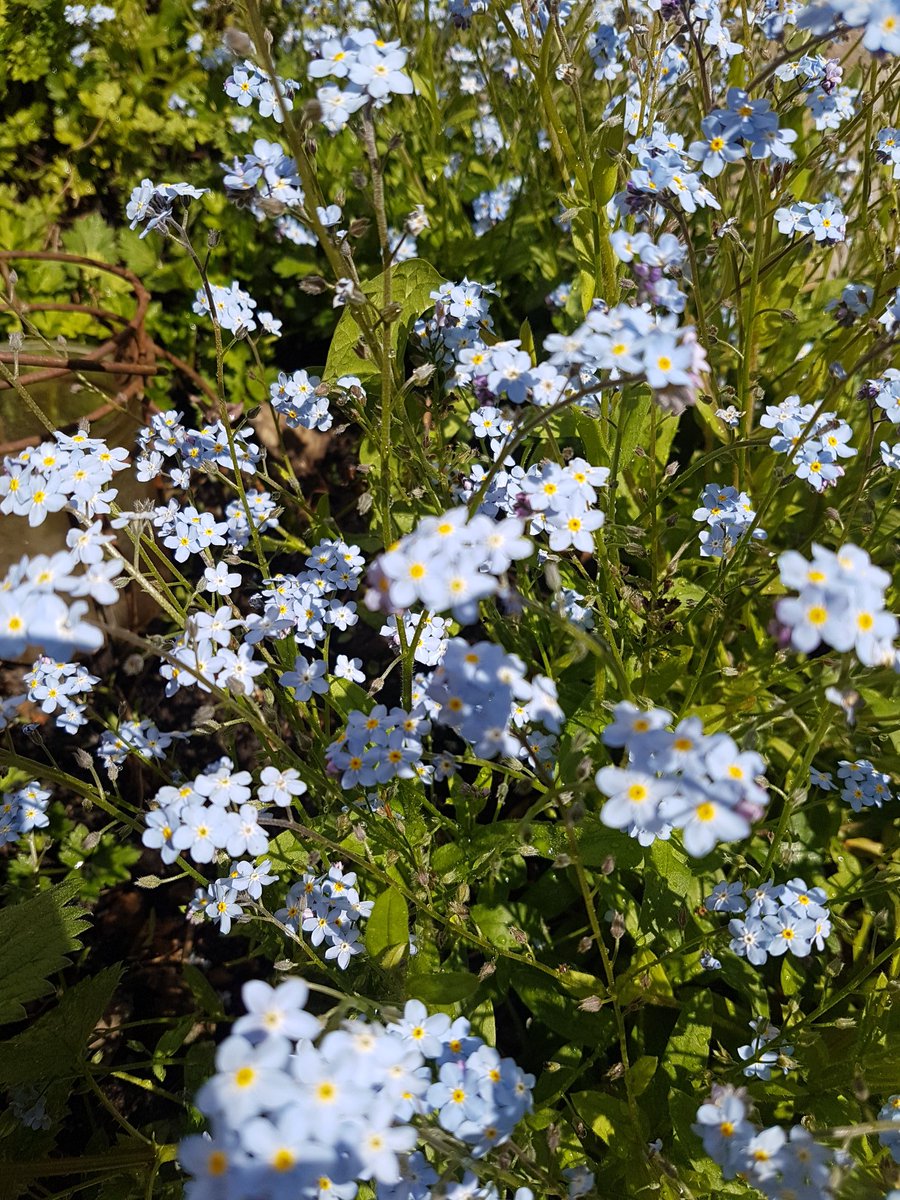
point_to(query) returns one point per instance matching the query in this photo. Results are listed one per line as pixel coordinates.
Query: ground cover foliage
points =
(449, 718)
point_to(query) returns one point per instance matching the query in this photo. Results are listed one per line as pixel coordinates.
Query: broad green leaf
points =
(443, 987)
(53, 1045)
(687, 1052)
(387, 929)
(412, 283)
(35, 939)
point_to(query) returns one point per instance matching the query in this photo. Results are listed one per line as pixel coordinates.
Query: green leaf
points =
(387, 929)
(412, 283)
(35, 939)
(687, 1051)
(53, 1045)
(93, 238)
(446, 987)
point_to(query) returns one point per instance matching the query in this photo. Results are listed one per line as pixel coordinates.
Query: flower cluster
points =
(167, 445)
(777, 1163)
(840, 602)
(447, 563)
(58, 688)
(628, 340)
(232, 308)
(34, 614)
(887, 149)
(139, 737)
(653, 265)
(760, 1059)
(491, 207)
(372, 71)
(702, 784)
(72, 471)
(485, 696)
(221, 901)
(303, 401)
(814, 441)
(861, 784)
(826, 221)
(775, 919)
(153, 205)
(890, 1111)
(744, 124)
(300, 1112)
(248, 83)
(328, 909)
(379, 746)
(728, 515)
(22, 810)
(212, 813)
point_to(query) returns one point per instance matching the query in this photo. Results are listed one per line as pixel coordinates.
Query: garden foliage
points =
(449, 722)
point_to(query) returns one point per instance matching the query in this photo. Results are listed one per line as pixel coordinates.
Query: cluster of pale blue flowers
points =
(425, 634)
(826, 221)
(296, 1111)
(652, 266)
(492, 206)
(224, 900)
(702, 784)
(556, 500)
(451, 337)
(379, 746)
(862, 785)
(879, 18)
(814, 441)
(247, 83)
(34, 612)
(370, 70)
(830, 102)
(775, 919)
(758, 1053)
(167, 446)
(152, 205)
(484, 695)
(58, 688)
(885, 391)
(744, 124)
(841, 603)
(778, 1163)
(328, 909)
(302, 400)
(448, 563)
(628, 340)
(728, 516)
(213, 813)
(233, 309)
(73, 472)
(890, 1111)
(22, 810)
(139, 737)
(887, 149)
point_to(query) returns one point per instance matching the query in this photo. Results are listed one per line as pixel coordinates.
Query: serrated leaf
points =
(412, 283)
(93, 238)
(52, 1046)
(35, 940)
(387, 929)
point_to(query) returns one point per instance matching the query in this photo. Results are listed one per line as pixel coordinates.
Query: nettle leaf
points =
(387, 929)
(93, 238)
(35, 939)
(412, 283)
(53, 1045)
